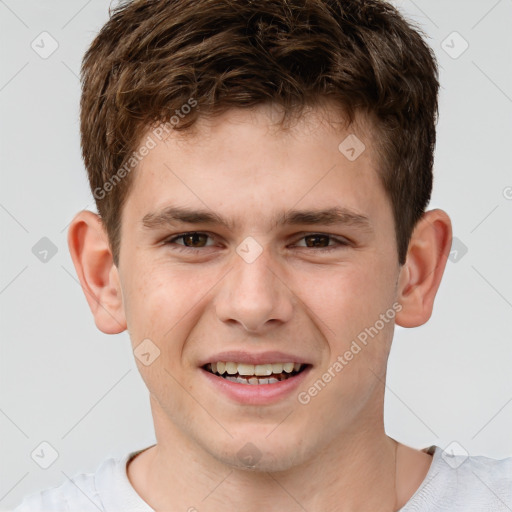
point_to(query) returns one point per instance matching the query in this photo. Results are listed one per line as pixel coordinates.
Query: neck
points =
(357, 472)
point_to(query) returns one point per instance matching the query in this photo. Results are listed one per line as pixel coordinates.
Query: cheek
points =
(165, 303)
(349, 299)
(160, 308)
(157, 301)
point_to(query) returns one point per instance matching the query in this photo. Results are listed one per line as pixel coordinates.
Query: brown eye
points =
(194, 239)
(322, 241)
(317, 240)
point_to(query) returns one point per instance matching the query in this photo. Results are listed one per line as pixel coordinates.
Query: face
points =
(270, 248)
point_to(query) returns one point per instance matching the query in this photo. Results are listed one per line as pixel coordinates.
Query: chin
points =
(261, 456)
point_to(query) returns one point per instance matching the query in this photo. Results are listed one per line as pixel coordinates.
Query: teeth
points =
(288, 367)
(253, 380)
(231, 368)
(245, 369)
(249, 370)
(263, 369)
(277, 367)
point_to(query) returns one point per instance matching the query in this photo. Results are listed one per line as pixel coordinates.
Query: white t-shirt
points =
(452, 484)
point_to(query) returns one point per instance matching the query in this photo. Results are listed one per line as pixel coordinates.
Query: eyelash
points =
(340, 242)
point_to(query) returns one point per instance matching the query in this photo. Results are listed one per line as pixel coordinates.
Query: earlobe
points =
(92, 257)
(421, 274)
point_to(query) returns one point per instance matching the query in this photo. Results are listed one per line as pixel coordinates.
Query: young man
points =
(261, 172)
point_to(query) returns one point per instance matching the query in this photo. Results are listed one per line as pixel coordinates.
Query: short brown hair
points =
(154, 56)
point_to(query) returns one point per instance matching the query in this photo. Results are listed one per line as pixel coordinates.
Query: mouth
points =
(255, 374)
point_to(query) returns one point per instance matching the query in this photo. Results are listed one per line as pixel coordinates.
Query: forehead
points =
(241, 162)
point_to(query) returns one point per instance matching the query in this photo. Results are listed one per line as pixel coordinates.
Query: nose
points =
(254, 296)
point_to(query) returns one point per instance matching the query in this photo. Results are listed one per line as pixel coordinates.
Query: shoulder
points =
(464, 483)
(79, 493)
(82, 492)
(488, 477)
(106, 490)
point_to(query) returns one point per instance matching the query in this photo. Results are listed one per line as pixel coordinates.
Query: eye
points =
(322, 241)
(192, 240)
(196, 240)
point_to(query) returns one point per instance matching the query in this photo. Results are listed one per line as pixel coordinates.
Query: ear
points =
(421, 274)
(92, 257)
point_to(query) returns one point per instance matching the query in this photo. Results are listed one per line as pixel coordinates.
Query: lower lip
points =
(256, 394)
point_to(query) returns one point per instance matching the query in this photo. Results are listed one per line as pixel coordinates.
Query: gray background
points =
(66, 383)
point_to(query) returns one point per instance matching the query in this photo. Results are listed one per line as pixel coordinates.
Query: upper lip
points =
(237, 356)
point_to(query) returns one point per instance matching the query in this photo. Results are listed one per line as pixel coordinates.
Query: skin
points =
(331, 453)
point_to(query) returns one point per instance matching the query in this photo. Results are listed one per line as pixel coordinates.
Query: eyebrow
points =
(330, 216)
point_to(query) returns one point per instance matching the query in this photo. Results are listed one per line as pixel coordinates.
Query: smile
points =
(254, 374)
